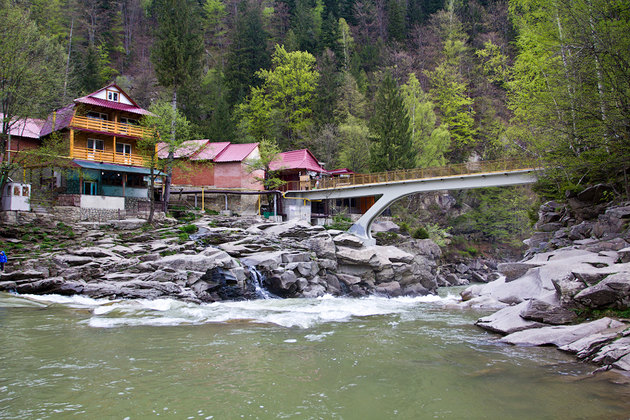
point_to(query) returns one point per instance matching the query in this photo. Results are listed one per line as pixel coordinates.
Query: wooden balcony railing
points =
(107, 156)
(104, 126)
(412, 174)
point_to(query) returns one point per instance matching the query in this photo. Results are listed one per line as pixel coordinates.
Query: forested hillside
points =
(365, 84)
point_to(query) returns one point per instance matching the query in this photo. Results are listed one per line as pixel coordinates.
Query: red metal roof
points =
(187, 149)
(91, 99)
(236, 152)
(342, 171)
(296, 159)
(206, 150)
(112, 105)
(211, 150)
(27, 127)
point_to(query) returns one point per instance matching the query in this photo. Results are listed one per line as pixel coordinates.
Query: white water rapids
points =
(302, 313)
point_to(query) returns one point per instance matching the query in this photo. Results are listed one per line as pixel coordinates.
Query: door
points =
(123, 152)
(90, 188)
(95, 149)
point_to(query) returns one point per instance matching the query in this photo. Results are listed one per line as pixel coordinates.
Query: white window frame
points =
(92, 151)
(95, 115)
(113, 96)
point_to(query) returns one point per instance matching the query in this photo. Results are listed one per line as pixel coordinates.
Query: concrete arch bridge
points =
(392, 186)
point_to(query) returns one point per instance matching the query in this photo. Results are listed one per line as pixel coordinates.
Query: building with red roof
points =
(102, 132)
(216, 165)
(298, 168)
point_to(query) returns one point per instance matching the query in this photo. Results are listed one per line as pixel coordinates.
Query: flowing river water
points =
(327, 358)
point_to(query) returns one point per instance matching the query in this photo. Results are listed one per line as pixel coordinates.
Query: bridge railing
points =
(413, 174)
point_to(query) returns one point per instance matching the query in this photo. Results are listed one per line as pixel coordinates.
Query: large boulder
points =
(560, 335)
(548, 313)
(613, 291)
(508, 320)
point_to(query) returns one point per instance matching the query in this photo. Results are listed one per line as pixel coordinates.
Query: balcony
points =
(109, 127)
(107, 156)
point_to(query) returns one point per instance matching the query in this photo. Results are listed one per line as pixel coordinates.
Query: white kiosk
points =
(16, 196)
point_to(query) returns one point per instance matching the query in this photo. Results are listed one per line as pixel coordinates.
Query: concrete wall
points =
(297, 209)
(104, 203)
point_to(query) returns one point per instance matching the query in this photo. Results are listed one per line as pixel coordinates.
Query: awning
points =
(88, 164)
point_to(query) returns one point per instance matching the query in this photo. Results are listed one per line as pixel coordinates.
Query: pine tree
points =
(392, 147)
(176, 56)
(248, 52)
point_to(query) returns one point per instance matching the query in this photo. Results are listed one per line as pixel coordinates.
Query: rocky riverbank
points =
(218, 259)
(572, 290)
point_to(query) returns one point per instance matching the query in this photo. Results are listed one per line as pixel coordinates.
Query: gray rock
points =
(348, 280)
(613, 351)
(508, 320)
(284, 284)
(512, 271)
(128, 224)
(21, 275)
(348, 240)
(614, 290)
(591, 344)
(322, 245)
(385, 226)
(415, 290)
(624, 255)
(71, 260)
(94, 252)
(392, 289)
(43, 286)
(560, 335)
(567, 288)
(296, 257)
(547, 313)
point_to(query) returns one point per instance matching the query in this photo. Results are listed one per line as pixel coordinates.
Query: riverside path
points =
(393, 185)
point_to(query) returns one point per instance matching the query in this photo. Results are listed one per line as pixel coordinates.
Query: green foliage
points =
(211, 212)
(282, 107)
(420, 233)
(567, 83)
(498, 214)
(386, 238)
(261, 167)
(340, 222)
(178, 46)
(189, 228)
(430, 143)
(392, 147)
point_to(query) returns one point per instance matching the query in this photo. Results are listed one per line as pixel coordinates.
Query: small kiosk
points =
(16, 196)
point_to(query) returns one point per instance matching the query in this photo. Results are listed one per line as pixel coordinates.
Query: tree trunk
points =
(171, 154)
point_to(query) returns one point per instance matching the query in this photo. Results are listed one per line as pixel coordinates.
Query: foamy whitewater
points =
(302, 313)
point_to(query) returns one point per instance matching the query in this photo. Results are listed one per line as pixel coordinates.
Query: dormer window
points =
(112, 96)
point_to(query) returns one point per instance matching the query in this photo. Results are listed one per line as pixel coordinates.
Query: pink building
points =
(218, 165)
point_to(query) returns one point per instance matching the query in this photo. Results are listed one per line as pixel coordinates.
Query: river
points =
(327, 358)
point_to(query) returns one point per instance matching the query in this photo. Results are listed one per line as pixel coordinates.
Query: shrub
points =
(340, 222)
(189, 228)
(420, 233)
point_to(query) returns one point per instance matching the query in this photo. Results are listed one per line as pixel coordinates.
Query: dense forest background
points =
(369, 85)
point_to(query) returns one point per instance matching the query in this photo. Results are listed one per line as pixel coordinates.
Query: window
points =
(95, 148)
(90, 188)
(129, 121)
(123, 149)
(112, 96)
(97, 115)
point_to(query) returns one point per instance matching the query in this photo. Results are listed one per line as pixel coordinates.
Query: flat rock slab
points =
(560, 335)
(508, 320)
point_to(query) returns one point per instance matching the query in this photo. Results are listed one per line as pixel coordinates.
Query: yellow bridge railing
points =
(413, 174)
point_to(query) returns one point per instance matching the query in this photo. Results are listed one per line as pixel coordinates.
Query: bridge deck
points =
(483, 167)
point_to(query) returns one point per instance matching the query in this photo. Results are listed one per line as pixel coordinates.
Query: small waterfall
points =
(257, 281)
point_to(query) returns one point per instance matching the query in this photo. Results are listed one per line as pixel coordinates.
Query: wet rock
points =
(391, 288)
(560, 335)
(43, 286)
(21, 275)
(508, 320)
(613, 351)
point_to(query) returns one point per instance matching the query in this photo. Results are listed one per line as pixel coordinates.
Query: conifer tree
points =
(176, 56)
(392, 147)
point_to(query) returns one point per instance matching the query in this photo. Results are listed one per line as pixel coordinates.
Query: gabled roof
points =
(218, 152)
(296, 159)
(26, 127)
(187, 149)
(58, 120)
(211, 150)
(95, 99)
(236, 152)
(341, 171)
